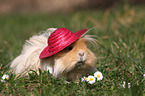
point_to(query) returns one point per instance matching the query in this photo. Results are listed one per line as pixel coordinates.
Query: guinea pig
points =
(72, 61)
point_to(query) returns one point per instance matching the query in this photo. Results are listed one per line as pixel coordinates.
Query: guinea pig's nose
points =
(81, 54)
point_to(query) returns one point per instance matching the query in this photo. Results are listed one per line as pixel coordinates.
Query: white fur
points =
(29, 57)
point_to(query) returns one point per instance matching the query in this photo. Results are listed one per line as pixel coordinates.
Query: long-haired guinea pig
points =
(66, 56)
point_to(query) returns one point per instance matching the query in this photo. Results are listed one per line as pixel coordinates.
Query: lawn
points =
(120, 51)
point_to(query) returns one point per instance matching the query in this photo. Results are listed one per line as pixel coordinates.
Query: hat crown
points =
(59, 38)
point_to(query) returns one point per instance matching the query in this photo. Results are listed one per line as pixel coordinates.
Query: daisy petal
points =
(98, 75)
(91, 79)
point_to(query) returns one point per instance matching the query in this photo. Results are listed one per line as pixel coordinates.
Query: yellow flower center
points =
(98, 76)
(85, 78)
(91, 79)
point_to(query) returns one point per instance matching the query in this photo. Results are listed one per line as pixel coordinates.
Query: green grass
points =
(120, 53)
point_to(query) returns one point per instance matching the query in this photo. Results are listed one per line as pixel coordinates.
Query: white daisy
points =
(129, 85)
(84, 79)
(98, 75)
(91, 79)
(144, 75)
(124, 84)
(5, 77)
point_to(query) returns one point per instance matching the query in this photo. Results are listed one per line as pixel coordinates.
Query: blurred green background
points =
(55, 6)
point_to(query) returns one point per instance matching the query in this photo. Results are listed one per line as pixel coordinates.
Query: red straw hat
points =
(60, 39)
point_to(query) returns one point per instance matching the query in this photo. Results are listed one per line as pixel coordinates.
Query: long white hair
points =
(29, 57)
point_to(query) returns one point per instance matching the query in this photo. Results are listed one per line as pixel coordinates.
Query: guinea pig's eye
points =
(70, 48)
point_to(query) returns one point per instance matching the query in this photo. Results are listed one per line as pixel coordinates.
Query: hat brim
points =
(46, 53)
